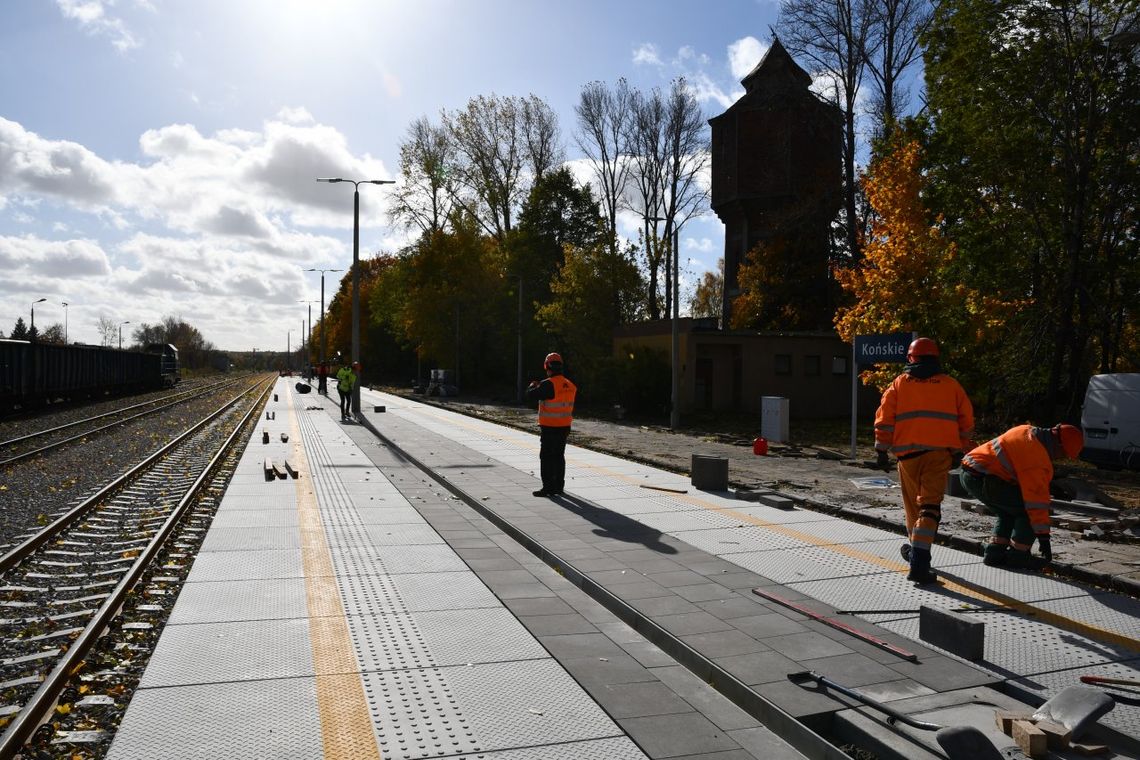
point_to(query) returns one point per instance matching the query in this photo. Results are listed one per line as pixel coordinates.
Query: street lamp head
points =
(329, 179)
(382, 181)
(63, 303)
(40, 300)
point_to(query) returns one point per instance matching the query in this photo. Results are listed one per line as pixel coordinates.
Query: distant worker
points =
(345, 383)
(323, 378)
(555, 396)
(1011, 476)
(926, 420)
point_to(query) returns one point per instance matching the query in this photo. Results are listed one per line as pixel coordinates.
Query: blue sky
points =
(158, 157)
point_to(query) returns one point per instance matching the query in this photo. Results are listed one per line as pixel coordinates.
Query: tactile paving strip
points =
(418, 558)
(372, 594)
(255, 518)
(504, 705)
(441, 638)
(729, 540)
(242, 719)
(806, 564)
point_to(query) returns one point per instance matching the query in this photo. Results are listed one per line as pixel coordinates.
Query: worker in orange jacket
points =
(1011, 475)
(555, 396)
(926, 420)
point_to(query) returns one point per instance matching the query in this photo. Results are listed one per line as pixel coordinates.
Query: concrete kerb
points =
(796, 733)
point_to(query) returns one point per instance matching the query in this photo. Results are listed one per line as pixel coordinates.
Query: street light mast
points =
(356, 276)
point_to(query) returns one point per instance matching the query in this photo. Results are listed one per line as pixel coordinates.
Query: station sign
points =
(882, 349)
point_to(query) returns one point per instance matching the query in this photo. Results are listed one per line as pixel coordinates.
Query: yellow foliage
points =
(906, 280)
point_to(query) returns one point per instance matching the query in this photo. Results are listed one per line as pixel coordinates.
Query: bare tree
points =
(603, 115)
(53, 334)
(833, 37)
(423, 198)
(540, 130)
(687, 152)
(645, 141)
(108, 330)
(501, 145)
(892, 46)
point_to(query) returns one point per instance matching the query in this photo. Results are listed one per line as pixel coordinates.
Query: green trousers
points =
(1004, 498)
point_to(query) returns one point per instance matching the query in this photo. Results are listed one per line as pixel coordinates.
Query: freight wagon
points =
(33, 374)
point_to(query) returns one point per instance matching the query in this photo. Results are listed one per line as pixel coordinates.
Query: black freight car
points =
(33, 374)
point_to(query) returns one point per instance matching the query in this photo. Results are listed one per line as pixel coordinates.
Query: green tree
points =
(53, 334)
(595, 290)
(1033, 161)
(20, 330)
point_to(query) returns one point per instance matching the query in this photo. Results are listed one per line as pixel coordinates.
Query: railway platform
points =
(405, 596)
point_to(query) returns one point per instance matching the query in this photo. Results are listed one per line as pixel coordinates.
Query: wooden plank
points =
(270, 474)
(1089, 749)
(280, 471)
(284, 438)
(1005, 718)
(1030, 738)
(1056, 735)
(291, 469)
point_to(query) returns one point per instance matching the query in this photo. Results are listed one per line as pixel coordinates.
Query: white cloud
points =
(744, 54)
(209, 223)
(92, 17)
(28, 259)
(646, 53)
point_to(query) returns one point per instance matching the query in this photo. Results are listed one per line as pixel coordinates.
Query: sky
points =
(158, 157)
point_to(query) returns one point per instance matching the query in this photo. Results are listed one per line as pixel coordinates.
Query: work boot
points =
(904, 550)
(995, 555)
(1020, 560)
(920, 571)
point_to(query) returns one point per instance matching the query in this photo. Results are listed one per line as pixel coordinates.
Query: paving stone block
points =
(957, 634)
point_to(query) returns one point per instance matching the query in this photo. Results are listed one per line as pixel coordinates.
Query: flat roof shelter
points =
(726, 370)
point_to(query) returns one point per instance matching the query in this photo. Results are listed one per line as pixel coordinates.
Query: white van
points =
(1110, 418)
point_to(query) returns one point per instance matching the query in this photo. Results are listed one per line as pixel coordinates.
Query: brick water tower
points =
(777, 178)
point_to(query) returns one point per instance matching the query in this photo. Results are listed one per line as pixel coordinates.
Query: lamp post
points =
(310, 331)
(288, 350)
(322, 271)
(675, 350)
(33, 327)
(356, 275)
(64, 321)
(121, 333)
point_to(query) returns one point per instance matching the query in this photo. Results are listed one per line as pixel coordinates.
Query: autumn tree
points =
(909, 276)
(1035, 121)
(708, 299)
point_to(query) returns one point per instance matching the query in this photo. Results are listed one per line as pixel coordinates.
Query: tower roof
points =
(776, 70)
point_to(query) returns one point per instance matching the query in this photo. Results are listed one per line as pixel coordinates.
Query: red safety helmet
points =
(552, 358)
(1071, 438)
(921, 347)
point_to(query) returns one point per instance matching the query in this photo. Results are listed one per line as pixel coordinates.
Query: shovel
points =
(958, 742)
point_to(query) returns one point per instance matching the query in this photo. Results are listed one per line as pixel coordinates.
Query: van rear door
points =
(1110, 419)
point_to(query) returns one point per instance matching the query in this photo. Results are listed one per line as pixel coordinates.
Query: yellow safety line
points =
(346, 726)
(965, 588)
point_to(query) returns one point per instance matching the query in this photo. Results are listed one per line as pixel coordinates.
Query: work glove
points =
(1046, 550)
(881, 462)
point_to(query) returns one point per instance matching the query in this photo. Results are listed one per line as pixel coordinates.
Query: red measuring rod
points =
(1118, 681)
(848, 629)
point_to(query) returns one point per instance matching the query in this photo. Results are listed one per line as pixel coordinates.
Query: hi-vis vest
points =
(558, 411)
(1019, 455)
(922, 415)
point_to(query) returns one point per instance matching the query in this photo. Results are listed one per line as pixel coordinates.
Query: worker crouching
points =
(1011, 476)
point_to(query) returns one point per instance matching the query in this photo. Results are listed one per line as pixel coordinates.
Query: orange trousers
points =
(923, 482)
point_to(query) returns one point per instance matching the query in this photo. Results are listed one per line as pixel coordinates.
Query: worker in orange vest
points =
(925, 419)
(555, 396)
(1011, 475)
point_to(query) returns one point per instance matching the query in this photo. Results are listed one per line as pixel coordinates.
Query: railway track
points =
(63, 587)
(42, 441)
